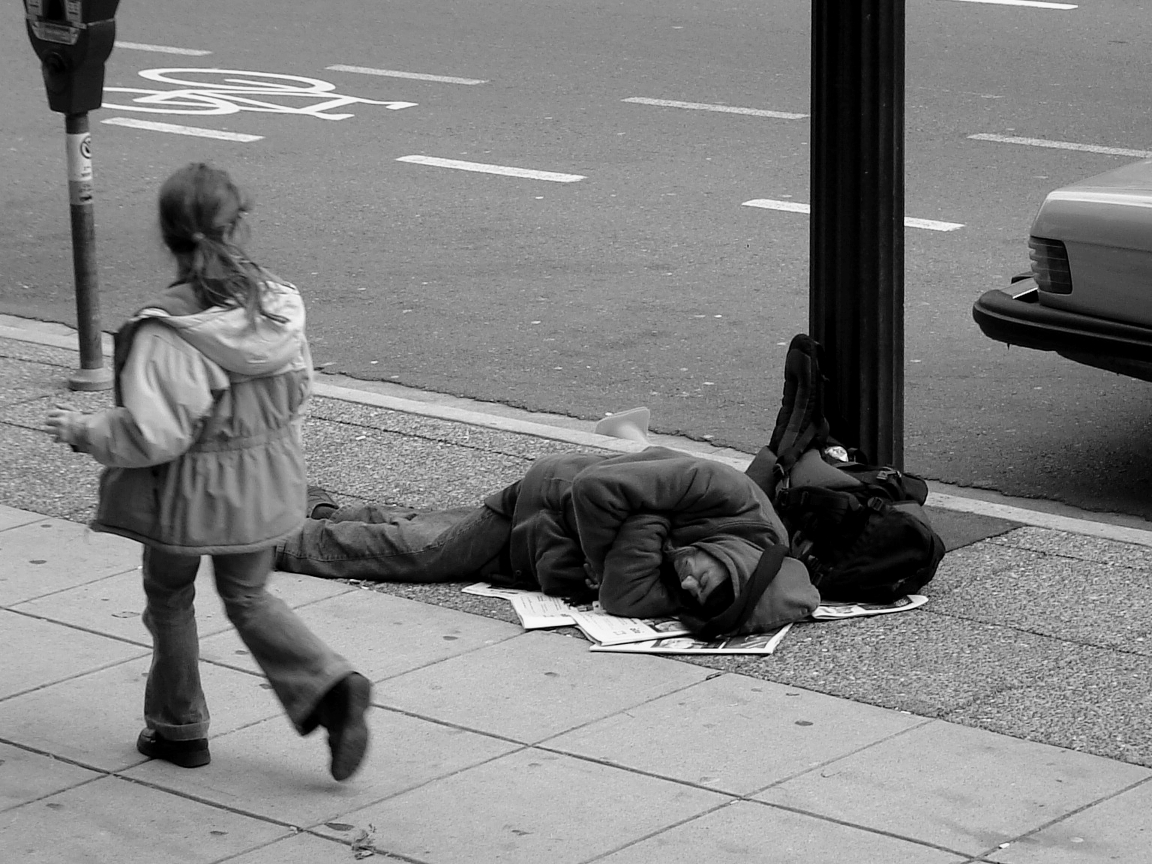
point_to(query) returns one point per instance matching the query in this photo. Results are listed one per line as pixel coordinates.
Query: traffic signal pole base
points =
(91, 379)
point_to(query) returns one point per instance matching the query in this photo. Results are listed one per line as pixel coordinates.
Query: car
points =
(1088, 296)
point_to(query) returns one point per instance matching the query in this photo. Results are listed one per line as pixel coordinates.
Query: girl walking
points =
(203, 456)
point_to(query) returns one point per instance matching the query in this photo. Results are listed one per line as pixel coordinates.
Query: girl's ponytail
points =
(201, 220)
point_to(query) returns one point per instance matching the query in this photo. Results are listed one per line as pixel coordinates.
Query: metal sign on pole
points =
(73, 39)
(856, 265)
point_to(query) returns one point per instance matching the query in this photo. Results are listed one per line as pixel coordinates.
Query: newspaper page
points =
(830, 611)
(537, 610)
(607, 629)
(760, 643)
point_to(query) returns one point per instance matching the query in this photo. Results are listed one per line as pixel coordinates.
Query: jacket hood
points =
(227, 337)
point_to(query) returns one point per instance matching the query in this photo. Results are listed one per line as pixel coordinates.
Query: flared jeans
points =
(298, 665)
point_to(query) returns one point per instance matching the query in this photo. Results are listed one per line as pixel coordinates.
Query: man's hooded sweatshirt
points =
(203, 449)
(621, 513)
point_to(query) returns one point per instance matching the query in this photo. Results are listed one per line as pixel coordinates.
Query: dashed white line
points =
(725, 109)
(1034, 3)
(415, 76)
(162, 49)
(796, 207)
(483, 168)
(1063, 145)
(195, 131)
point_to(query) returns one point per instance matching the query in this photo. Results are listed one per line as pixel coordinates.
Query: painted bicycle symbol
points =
(229, 91)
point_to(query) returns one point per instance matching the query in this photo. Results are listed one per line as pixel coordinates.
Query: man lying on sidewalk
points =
(651, 534)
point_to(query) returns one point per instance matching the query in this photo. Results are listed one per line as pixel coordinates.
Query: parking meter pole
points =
(856, 269)
(92, 374)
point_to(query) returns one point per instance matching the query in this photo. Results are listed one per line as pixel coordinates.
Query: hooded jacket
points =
(619, 513)
(203, 450)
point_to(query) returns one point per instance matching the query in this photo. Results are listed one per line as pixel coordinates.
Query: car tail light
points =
(1050, 265)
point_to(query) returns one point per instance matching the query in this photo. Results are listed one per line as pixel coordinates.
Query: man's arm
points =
(631, 583)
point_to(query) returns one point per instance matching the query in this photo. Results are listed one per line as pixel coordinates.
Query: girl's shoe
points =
(186, 754)
(341, 712)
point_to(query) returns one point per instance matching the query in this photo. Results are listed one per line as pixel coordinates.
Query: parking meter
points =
(72, 38)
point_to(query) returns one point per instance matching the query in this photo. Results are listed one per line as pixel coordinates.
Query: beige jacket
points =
(203, 451)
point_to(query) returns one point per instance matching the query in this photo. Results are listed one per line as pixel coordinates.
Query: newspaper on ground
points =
(830, 611)
(537, 611)
(759, 643)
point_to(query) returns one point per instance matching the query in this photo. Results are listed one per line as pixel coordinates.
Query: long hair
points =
(201, 221)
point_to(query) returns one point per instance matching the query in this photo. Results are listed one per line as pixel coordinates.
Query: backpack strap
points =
(800, 424)
(744, 606)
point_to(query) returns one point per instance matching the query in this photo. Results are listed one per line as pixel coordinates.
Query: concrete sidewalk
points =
(1006, 721)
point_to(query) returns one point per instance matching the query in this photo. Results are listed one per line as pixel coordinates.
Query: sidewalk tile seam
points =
(314, 827)
(35, 518)
(216, 805)
(924, 721)
(640, 772)
(435, 662)
(66, 588)
(654, 698)
(296, 832)
(99, 772)
(67, 760)
(1076, 811)
(665, 829)
(69, 678)
(15, 609)
(869, 829)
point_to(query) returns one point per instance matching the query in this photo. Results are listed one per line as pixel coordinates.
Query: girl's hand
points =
(64, 424)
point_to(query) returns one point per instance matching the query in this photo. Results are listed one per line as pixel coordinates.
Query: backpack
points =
(871, 543)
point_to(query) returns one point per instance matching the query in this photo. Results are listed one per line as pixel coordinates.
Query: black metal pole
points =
(92, 374)
(856, 267)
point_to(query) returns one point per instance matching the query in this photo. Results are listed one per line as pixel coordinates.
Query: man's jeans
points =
(397, 544)
(300, 668)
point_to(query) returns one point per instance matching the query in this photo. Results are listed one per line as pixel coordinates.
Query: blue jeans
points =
(397, 544)
(300, 667)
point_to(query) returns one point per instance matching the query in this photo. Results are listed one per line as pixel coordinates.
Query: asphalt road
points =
(647, 281)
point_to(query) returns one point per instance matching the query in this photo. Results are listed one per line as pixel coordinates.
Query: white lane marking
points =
(162, 49)
(1063, 145)
(726, 109)
(196, 131)
(415, 76)
(1034, 3)
(227, 91)
(773, 204)
(795, 207)
(483, 168)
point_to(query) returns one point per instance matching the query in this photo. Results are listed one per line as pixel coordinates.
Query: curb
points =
(556, 428)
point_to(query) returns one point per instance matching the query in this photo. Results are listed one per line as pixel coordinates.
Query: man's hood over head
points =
(760, 605)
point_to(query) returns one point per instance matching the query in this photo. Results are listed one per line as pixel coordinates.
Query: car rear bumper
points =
(1019, 319)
